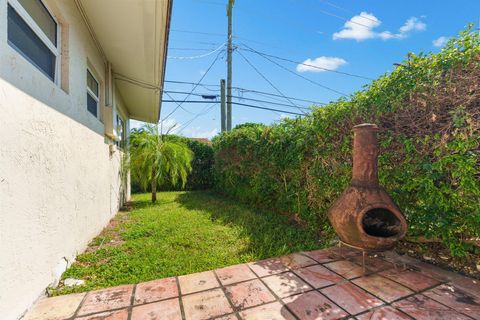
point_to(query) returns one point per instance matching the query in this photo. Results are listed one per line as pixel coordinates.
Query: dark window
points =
(92, 105)
(92, 94)
(42, 18)
(25, 41)
(92, 83)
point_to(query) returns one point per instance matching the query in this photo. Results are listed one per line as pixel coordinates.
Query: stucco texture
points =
(59, 183)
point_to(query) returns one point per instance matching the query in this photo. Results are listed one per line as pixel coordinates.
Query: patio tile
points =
(296, 261)
(249, 294)
(313, 305)
(109, 315)
(271, 311)
(469, 285)
(107, 299)
(410, 279)
(322, 256)
(267, 267)
(456, 299)
(384, 313)
(424, 308)
(197, 282)
(351, 298)
(373, 264)
(156, 290)
(206, 305)
(345, 268)
(383, 288)
(433, 272)
(318, 276)
(55, 308)
(163, 310)
(234, 274)
(286, 284)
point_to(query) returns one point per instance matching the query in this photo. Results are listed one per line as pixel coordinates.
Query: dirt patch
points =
(437, 254)
(110, 235)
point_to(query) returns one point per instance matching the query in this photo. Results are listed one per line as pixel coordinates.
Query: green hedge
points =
(428, 111)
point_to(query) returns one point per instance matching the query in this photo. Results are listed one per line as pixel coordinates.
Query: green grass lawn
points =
(184, 232)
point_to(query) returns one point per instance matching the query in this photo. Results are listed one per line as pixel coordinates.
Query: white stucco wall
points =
(59, 184)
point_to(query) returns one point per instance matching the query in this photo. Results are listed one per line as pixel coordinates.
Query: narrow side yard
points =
(184, 232)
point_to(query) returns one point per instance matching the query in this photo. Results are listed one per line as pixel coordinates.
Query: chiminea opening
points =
(380, 222)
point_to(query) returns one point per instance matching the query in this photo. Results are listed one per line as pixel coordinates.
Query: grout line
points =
(132, 301)
(278, 299)
(80, 305)
(102, 311)
(224, 289)
(180, 301)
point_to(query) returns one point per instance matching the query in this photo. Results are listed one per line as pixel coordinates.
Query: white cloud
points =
(413, 24)
(440, 41)
(199, 132)
(320, 63)
(361, 27)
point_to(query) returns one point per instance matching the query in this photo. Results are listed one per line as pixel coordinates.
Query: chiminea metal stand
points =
(364, 216)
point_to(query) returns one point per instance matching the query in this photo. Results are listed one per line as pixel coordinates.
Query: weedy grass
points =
(184, 232)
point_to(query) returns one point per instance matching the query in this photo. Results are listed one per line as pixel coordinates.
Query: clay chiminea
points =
(365, 216)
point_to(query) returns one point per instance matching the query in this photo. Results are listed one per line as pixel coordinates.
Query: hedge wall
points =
(428, 111)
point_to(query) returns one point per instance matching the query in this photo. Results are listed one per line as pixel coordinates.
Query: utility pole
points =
(223, 107)
(229, 65)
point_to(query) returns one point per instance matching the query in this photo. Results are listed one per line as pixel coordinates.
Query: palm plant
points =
(156, 159)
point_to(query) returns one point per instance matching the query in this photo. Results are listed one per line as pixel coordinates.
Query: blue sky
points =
(359, 37)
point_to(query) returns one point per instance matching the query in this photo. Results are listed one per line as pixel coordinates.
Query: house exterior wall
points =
(59, 182)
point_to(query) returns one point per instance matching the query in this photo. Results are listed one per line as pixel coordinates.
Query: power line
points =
(242, 104)
(195, 86)
(342, 18)
(205, 111)
(213, 44)
(271, 95)
(190, 49)
(303, 77)
(346, 10)
(199, 56)
(178, 104)
(237, 97)
(245, 90)
(270, 45)
(266, 108)
(187, 82)
(199, 32)
(266, 79)
(190, 101)
(302, 63)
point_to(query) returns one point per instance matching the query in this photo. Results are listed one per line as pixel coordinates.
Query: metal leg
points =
(363, 262)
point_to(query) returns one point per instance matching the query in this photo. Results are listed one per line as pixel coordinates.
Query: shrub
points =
(428, 111)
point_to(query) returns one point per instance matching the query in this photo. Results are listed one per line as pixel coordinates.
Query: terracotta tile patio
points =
(322, 284)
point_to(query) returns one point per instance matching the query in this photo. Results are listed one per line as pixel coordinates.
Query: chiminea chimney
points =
(365, 216)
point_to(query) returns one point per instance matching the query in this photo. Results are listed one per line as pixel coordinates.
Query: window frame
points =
(92, 94)
(56, 50)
